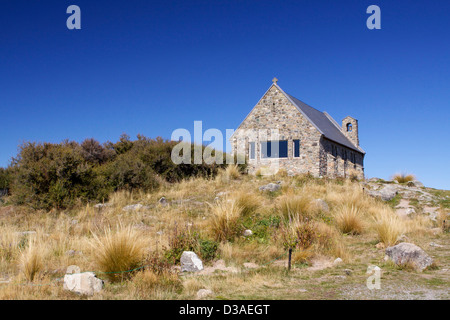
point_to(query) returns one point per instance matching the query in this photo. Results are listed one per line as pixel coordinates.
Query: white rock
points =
(270, 187)
(248, 233)
(190, 262)
(135, 207)
(83, 283)
(102, 205)
(432, 244)
(337, 261)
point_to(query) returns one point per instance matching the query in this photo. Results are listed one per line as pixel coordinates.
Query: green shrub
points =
(208, 249)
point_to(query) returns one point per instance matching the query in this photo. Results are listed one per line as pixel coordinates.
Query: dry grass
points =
(388, 227)
(249, 203)
(118, 250)
(230, 173)
(318, 234)
(293, 205)
(349, 219)
(403, 177)
(32, 260)
(224, 222)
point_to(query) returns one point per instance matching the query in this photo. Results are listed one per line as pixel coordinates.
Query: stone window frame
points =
(293, 148)
(265, 141)
(250, 143)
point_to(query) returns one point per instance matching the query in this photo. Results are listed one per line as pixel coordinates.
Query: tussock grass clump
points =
(293, 205)
(349, 220)
(116, 251)
(248, 202)
(230, 173)
(388, 227)
(225, 220)
(32, 260)
(403, 177)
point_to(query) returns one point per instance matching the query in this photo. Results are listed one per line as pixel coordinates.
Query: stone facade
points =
(276, 118)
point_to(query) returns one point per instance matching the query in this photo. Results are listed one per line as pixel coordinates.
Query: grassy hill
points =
(321, 219)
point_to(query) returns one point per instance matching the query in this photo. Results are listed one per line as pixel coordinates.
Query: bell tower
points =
(350, 129)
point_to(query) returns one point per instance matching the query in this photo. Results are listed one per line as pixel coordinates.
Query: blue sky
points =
(151, 67)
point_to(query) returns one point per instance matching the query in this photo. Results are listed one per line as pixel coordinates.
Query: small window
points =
(251, 150)
(349, 127)
(296, 148)
(269, 149)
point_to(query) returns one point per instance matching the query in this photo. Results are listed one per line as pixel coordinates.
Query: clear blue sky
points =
(151, 67)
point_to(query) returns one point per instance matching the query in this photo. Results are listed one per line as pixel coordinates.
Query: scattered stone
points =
(337, 261)
(160, 233)
(190, 262)
(135, 207)
(203, 293)
(405, 253)
(271, 187)
(248, 233)
(373, 179)
(74, 222)
(322, 205)
(163, 201)
(432, 244)
(102, 205)
(221, 194)
(82, 283)
(348, 272)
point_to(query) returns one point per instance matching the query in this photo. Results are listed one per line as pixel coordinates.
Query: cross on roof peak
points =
(275, 80)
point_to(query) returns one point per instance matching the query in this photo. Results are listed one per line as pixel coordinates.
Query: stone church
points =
(284, 132)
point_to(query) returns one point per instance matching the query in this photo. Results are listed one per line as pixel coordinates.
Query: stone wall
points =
(275, 111)
(340, 161)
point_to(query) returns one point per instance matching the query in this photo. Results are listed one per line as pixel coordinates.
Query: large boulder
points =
(190, 262)
(386, 194)
(322, 205)
(415, 183)
(85, 283)
(408, 253)
(271, 187)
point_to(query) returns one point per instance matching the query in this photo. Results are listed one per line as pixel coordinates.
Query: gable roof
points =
(324, 123)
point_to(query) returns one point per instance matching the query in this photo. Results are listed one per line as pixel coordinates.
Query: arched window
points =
(349, 127)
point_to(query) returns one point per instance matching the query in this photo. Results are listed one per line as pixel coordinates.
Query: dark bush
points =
(48, 175)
